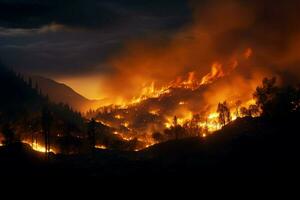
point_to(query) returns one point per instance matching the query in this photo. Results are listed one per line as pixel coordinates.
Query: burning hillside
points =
(185, 103)
(201, 77)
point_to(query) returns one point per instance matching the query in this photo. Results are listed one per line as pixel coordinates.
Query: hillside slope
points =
(61, 93)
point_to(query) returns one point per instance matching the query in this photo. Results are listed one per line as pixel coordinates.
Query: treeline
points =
(21, 110)
(28, 115)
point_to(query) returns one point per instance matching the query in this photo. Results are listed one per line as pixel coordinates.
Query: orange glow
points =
(248, 53)
(119, 117)
(100, 147)
(154, 112)
(38, 147)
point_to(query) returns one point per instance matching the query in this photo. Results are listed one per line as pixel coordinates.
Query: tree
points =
(175, 127)
(277, 102)
(157, 136)
(224, 113)
(265, 95)
(47, 120)
(92, 133)
(30, 82)
(238, 105)
(253, 110)
(175, 121)
(245, 112)
(194, 125)
(9, 135)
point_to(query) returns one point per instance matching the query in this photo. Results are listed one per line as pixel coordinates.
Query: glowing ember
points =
(181, 103)
(154, 112)
(100, 147)
(126, 124)
(119, 117)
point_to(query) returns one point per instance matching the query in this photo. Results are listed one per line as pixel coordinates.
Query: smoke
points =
(250, 39)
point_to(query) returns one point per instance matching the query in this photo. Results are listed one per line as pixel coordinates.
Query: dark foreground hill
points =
(247, 147)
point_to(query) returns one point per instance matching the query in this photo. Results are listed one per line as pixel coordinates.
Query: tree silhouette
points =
(92, 133)
(224, 113)
(265, 95)
(238, 105)
(9, 134)
(47, 120)
(245, 112)
(157, 136)
(175, 127)
(194, 125)
(254, 110)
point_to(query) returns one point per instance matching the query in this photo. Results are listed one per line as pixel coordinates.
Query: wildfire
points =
(38, 147)
(216, 72)
(159, 109)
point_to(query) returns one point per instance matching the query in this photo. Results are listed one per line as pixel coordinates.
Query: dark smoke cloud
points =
(220, 31)
(73, 37)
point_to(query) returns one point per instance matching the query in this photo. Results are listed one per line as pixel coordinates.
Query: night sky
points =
(69, 37)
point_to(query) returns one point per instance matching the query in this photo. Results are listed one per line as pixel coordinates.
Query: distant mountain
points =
(61, 93)
(21, 104)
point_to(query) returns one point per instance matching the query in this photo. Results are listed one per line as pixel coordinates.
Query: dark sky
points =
(73, 37)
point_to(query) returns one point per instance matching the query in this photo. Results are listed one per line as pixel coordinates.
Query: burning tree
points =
(277, 102)
(265, 94)
(238, 105)
(47, 120)
(92, 133)
(224, 113)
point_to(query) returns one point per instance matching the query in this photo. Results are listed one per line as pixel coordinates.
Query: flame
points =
(213, 115)
(38, 147)
(148, 91)
(119, 117)
(126, 124)
(154, 112)
(100, 147)
(216, 72)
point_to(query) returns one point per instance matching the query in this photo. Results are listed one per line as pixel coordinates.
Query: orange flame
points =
(216, 72)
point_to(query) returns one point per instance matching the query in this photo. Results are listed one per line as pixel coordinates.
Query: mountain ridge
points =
(62, 93)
